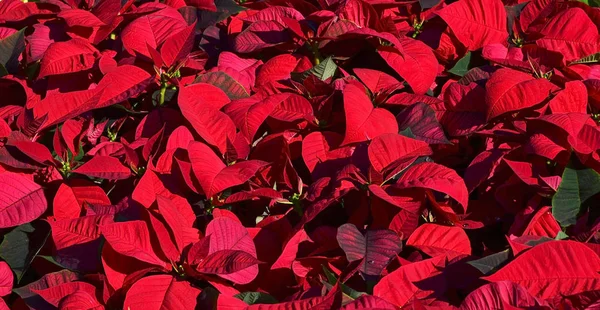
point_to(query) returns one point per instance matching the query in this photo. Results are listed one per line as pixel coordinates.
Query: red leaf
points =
(82, 18)
(54, 294)
(376, 80)
(200, 104)
(576, 41)
(332, 300)
(275, 13)
(214, 176)
(376, 248)
(79, 300)
(69, 200)
(124, 82)
(416, 63)
(573, 98)
(435, 240)
(388, 148)
(180, 221)
(277, 68)
(317, 149)
(289, 252)
(67, 57)
(248, 114)
(436, 177)
(226, 262)
(369, 302)
(543, 224)
(161, 292)
(178, 46)
(260, 35)
(363, 121)
(104, 167)
(553, 268)
(151, 30)
(228, 234)
(476, 23)
(423, 124)
(511, 91)
(21, 200)
(499, 294)
(132, 239)
(69, 232)
(407, 282)
(6, 279)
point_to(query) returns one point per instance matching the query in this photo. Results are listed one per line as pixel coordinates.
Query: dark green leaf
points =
(407, 133)
(21, 245)
(3, 71)
(512, 13)
(51, 260)
(323, 71)
(588, 59)
(491, 263)
(225, 8)
(539, 241)
(462, 66)
(10, 49)
(574, 189)
(169, 95)
(252, 298)
(225, 82)
(428, 4)
(592, 3)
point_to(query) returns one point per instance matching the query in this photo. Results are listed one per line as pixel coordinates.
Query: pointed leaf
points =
(476, 23)
(132, 239)
(436, 240)
(21, 200)
(104, 167)
(376, 248)
(436, 177)
(576, 186)
(539, 269)
(10, 49)
(363, 121)
(161, 292)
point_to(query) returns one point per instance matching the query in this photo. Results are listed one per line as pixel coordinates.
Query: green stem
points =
(316, 55)
(163, 91)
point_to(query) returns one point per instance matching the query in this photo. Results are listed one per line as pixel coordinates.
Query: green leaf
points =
(323, 71)
(428, 4)
(21, 245)
(592, 3)
(225, 8)
(252, 298)
(10, 49)
(51, 259)
(561, 235)
(407, 133)
(3, 71)
(593, 58)
(225, 82)
(512, 13)
(490, 263)
(575, 188)
(462, 66)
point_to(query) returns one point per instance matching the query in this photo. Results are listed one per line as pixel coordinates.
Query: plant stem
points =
(163, 91)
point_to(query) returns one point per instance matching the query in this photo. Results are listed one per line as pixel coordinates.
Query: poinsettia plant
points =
(301, 154)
